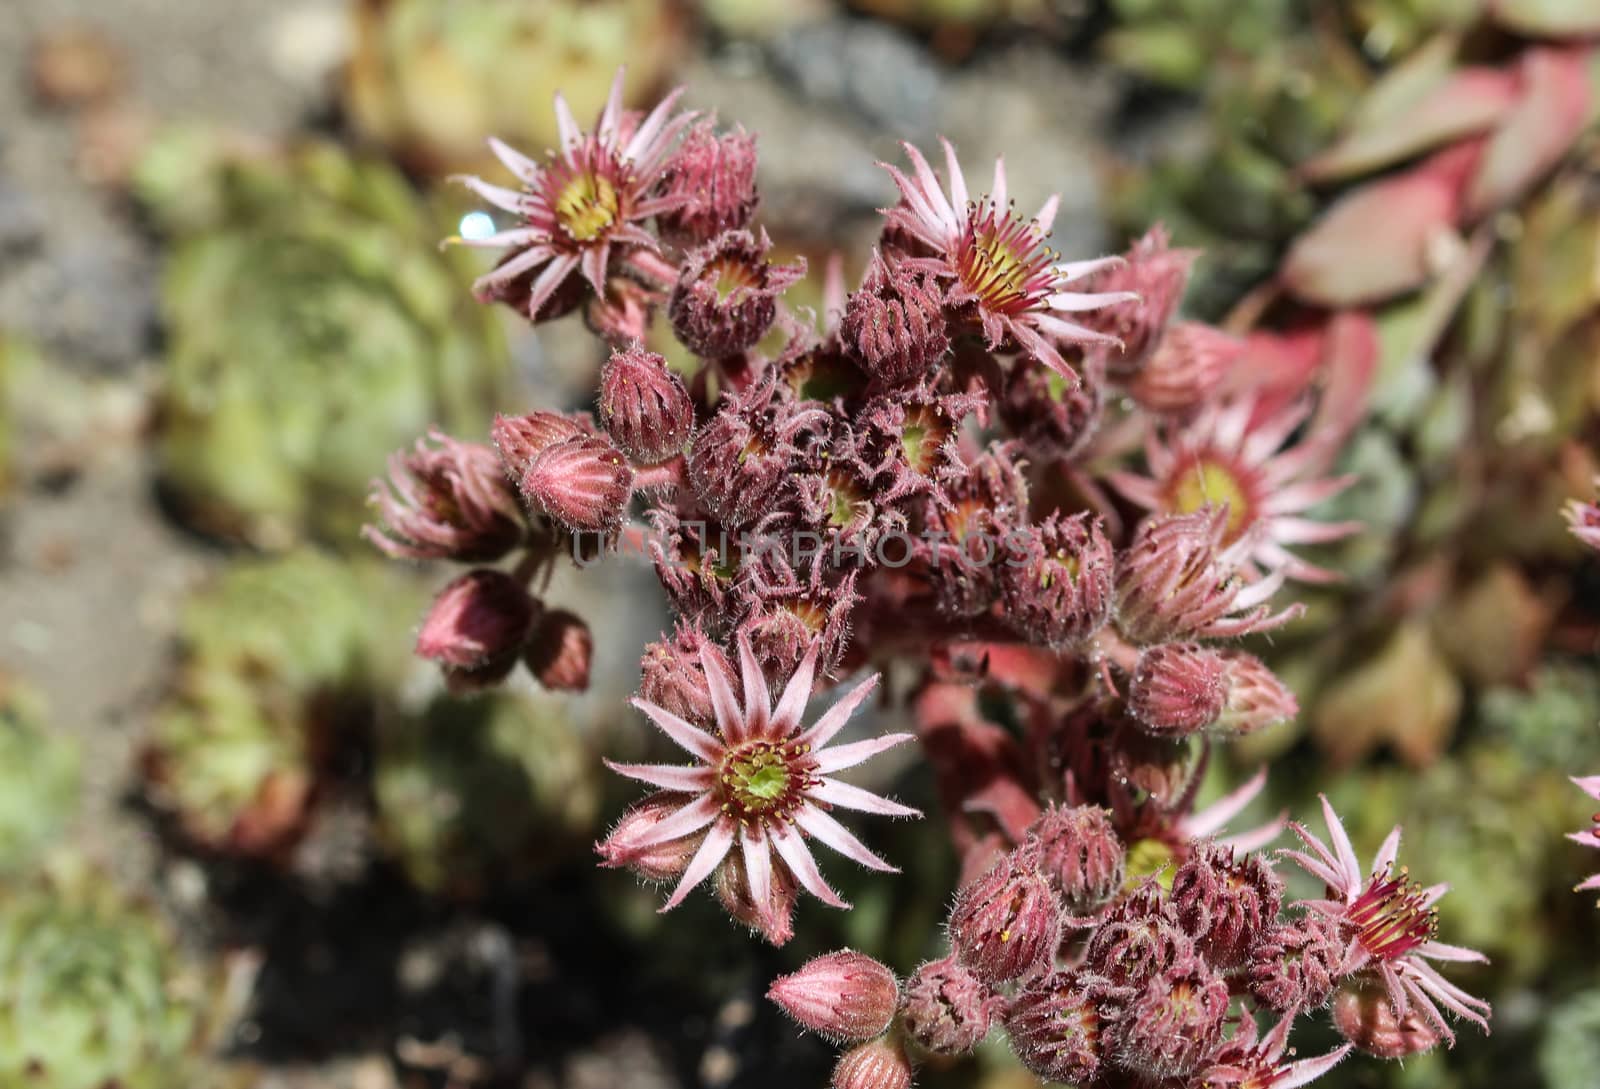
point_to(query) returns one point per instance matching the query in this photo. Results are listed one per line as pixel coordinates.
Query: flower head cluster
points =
(927, 480)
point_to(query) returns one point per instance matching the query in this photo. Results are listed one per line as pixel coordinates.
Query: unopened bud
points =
(658, 861)
(841, 996)
(947, 1008)
(1006, 923)
(1225, 903)
(1363, 1014)
(520, 439)
(727, 294)
(477, 626)
(1175, 1022)
(1186, 368)
(876, 1064)
(713, 180)
(1296, 964)
(1058, 589)
(1055, 1027)
(1256, 699)
(560, 652)
(584, 483)
(1178, 689)
(446, 500)
(644, 406)
(894, 326)
(1079, 852)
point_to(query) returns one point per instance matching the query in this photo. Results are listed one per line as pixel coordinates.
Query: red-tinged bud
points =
(1186, 369)
(727, 293)
(560, 651)
(476, 628)
(947, 1008)
(1178, 689)
(584, 483)
(447, 501)
(744, 452)
(1176, 582)
(894, 326)
(1296, 964)
(1225, 904)
(1175, 1022)
(712, 179)
(1007, 923)
(1052, 416)
(773, 918)
(1139, 940)
(841, 996)
(1158, 274)
(1079, 851)
(623, 314)
(1257, 699)
(520, 439)
(672, 677)
(1363, 1014)
(876, 1064)
(1057, 581)
(644, 406)
(1056, 1028)
(657, 861)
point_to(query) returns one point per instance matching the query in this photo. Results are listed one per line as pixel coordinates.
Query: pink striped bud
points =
(657, 862)
(947, 1008)
(1007, 923)
(1079, 852)
(1056, 1027)
(560, 652)
(1175, 1022)
(1178, 689)
(1364, 1015)
(713, 180)
(876, 1064)
(894, 326)
(644, 406)
(584, 483)
(476, 628)
(840, 996)
(1057, 583)
(520, 439)
(1257, 699)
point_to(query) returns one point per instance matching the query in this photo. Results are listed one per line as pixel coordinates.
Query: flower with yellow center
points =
(585, 204)
(762, 784)
(997, 262)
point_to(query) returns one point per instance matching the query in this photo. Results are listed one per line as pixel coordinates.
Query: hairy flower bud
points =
(1158, 274)
(1139, 940)
(520, 439)
(1364, 1015)
(672, 677)
(1256, 699)
(1057, 586)
(477, 626)
(712, 183)
(584, 483)
(644, 406)
(1053, 416)
(1295, 964)
(894, 325)
(1176, 582)
(1006, 923)
(772, 918)
(448, 501)
(840, 996)
(1175, 1022)
(1225, 904)
(1055, 1026)
(1078, 850)
(947, 1008)
(1186, 368)
(657, 862)
(726, 297)
(560, 651)
(742, 454)
(876, 1064)
(1178, 689)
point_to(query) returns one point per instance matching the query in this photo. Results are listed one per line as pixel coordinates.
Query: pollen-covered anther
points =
(764, 781)
(1393, 916)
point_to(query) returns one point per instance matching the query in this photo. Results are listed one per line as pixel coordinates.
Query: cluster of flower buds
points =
(941, 473)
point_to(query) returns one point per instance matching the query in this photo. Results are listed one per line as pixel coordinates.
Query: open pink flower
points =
(582, 203)
(762, 784)
(997, 261)
(1589, 837)
(1389, 921)
(1229, 456)
(1245, 1062)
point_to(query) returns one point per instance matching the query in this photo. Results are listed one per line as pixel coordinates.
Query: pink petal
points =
(757, 700)
(691, 818)
(797, 856)
(567, 125)
(835, 835)
(611, 116)
(796, 694)
(1341, 844)
(730, 719)
(515, 161)
(1210, 820)
(691, 738)
(690, 780)
(846, 796)
(1441, 951)
(509, 200)
(833, 720)
(958, 181)
(757, 865)
(1589, 784)
(848, 756)
(999, 192)
(594, 262)
(711, 853)
(559, 268)
(1306, 1071)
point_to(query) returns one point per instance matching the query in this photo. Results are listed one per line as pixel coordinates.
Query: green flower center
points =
(586, 205)
(763, 780)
